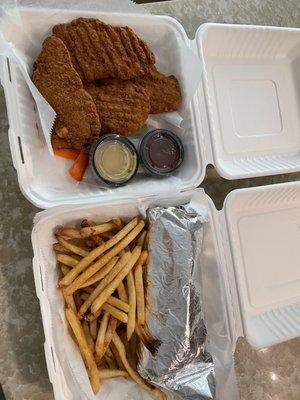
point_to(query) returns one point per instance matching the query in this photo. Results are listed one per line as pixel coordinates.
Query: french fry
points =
(122, 305)
(90, 317)
(109, 353)
(102, 273)
(117, 356)
(147, 340)
(95, 240)
(86, 222)
(69, 299)
(77, 300)
(95, 262)
(112, 373)
(123, 337)
(146, 242)
(114, 301)
(114, 312)
(111, 328)
(88, 289)
(110, 359)
(67, 260)
(68, 232)
(132, 245)
(132, 350)
(104, 259)
(85, 231)
(117, 222)
(58, 248)
(105, 281)
(122, 292)
(84, 349)
(64, 269)
(156, 393)
(90, 243)
(108, 291)
(143, 257)
(106, 235)
(96, 230)
(140, 295)
(102, 364)
(86, 329)
(99, 347)
(72, 247)
(84, 296)
(86, 261)
(93, 329)
(141, 239)
(132, 305)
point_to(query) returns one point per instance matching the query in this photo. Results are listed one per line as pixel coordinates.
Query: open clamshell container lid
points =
(249, 98)
(261, 245)
(244, 118)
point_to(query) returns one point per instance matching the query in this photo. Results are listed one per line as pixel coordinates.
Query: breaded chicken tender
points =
(164, 91)
(100, 51)
(123, 106)
(77, 122)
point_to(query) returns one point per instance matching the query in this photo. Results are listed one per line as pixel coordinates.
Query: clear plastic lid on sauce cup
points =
(161, 152)
(114, 160)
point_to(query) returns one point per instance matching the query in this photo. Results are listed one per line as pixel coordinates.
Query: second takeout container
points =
(255, 256)
(245, 120)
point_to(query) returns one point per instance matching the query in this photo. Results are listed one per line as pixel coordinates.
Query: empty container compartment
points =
(251, 80)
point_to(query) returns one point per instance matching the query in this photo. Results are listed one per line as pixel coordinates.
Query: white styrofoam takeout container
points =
(244, 119)
(256, 248)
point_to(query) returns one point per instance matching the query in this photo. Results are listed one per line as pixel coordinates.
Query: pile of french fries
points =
(103, 274)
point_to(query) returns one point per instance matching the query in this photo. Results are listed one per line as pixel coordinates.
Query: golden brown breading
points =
(164, 91)
(77, 119)
(100, 51)
(123, 106)
(59, 143)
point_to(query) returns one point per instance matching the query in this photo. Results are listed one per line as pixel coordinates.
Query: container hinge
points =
(201, 114)
(229, 281)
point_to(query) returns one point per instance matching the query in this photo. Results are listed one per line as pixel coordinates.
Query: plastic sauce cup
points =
(114, 160)
(161, 152)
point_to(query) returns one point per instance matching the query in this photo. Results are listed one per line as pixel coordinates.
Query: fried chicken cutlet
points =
(123, 106)
(77, 122)
(164, 91)
(100, 51)
(59, 143)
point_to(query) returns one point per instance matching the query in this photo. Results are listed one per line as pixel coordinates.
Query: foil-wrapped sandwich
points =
(180, 363)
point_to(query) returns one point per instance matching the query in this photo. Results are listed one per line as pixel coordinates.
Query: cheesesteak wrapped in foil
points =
(181, 364)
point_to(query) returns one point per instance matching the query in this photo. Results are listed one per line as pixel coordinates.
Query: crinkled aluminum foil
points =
(182, 364)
